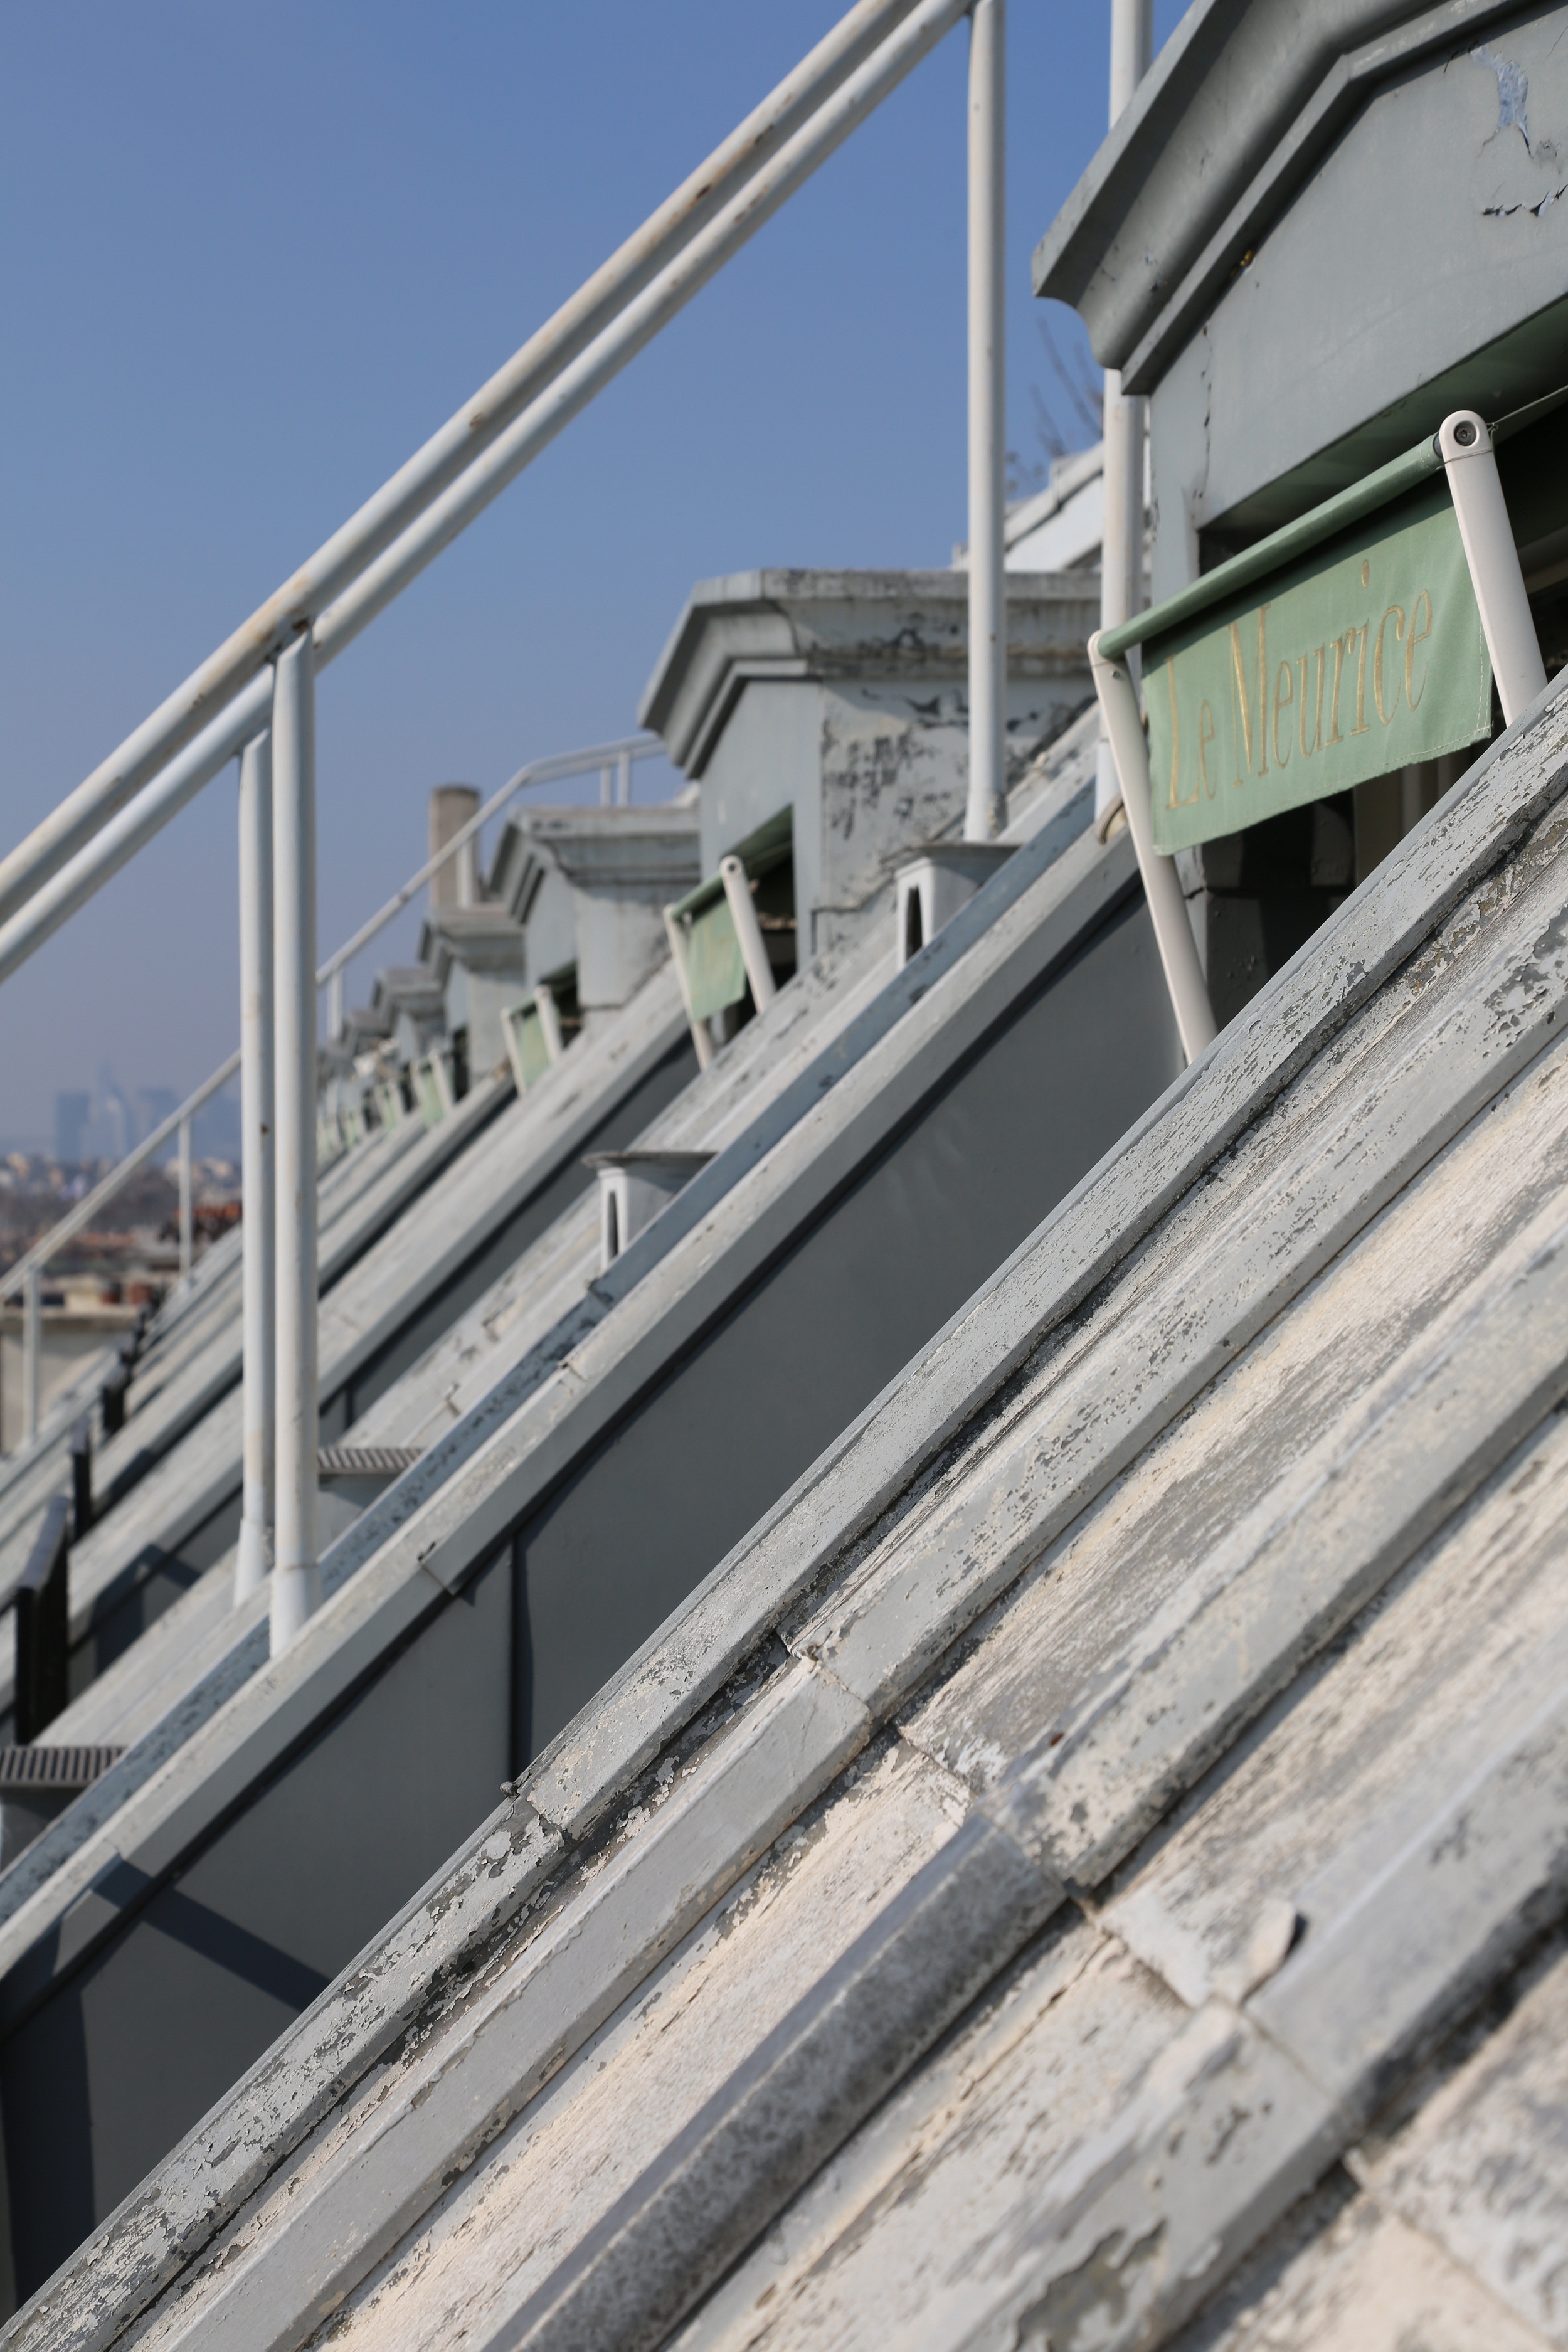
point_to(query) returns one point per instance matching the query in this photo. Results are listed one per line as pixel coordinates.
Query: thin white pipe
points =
(1124, 420)
(1167, 910)
(308, 591)
(702, 1038)
(1132, 50)
(118, 842)
(749, 931)
(180, 782)
(187, 1216)
(986, 811)
(256, 1229)
(1465, 447)
(32, 1353)
(112, 850)
(549, 1021)
(296, 1578)
(623, 782)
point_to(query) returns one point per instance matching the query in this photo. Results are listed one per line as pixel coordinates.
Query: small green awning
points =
(710, 949)
(531, 1055)
(1344, 645)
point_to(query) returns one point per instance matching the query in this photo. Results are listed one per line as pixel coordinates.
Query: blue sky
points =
(251, 259)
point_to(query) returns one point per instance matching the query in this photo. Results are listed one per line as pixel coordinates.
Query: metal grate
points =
(365, 1461)
(54, 1768)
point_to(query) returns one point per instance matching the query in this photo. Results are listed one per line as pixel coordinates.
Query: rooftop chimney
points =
(456, 883)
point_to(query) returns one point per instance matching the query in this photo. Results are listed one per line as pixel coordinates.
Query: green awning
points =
(525, 1037)
(710, 949)
(1343, 646)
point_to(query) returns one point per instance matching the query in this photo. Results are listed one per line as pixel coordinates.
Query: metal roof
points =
(1090, 1860)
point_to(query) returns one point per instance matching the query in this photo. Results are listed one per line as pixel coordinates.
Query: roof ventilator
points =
(634, 1186)
(933, 886)
(37, 1783)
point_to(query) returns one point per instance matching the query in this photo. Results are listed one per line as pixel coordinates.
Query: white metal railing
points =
(255, 984)
(262, 682)
(207, 721)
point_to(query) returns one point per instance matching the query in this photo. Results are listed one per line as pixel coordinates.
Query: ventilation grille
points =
(40, 1767)
(365, 1461)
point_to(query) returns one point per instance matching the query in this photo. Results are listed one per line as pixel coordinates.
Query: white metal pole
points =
(749, 931)
(335, 1003)
(986, 811)
(1161, 888)
(1465, 447)
(296, 1578)
(549, 1014)
(256, 1226)
(701, 1040)
(624, 781)
(32, 1352)
(1123, 421)
(187, 1237)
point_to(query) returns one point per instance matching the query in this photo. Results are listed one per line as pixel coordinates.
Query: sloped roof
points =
(1072, 1867)
(468, 1384)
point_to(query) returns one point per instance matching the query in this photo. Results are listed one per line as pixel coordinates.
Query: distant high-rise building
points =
(154, 1104)
(112, 1130)
(71, 1128)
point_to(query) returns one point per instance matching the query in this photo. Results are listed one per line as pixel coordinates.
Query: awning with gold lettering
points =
(1342, 646)
(1361, 639)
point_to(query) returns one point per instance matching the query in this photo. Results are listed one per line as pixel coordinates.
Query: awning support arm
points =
(1464, 446)
(1161, 888)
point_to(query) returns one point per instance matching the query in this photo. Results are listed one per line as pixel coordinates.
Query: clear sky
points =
(251, 258)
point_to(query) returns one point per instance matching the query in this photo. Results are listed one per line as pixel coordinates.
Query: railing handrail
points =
(840, 101)
(453, 450)
(537, 771)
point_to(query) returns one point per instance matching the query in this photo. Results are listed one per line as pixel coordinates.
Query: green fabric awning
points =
(710, 949)
(1342, 648)
(531, 1055)
(715, 968)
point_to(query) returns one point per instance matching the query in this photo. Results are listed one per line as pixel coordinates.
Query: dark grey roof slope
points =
(1090, 1860)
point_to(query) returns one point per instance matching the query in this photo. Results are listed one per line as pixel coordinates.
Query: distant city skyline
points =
(103, 1122)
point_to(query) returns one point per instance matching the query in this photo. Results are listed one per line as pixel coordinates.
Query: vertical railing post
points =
(256, 1087)
(986, 811)
(31, 1351)
(187, 1234)
(296, 1579)
(1122, 532)
(335, 1023)
(623, 782)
